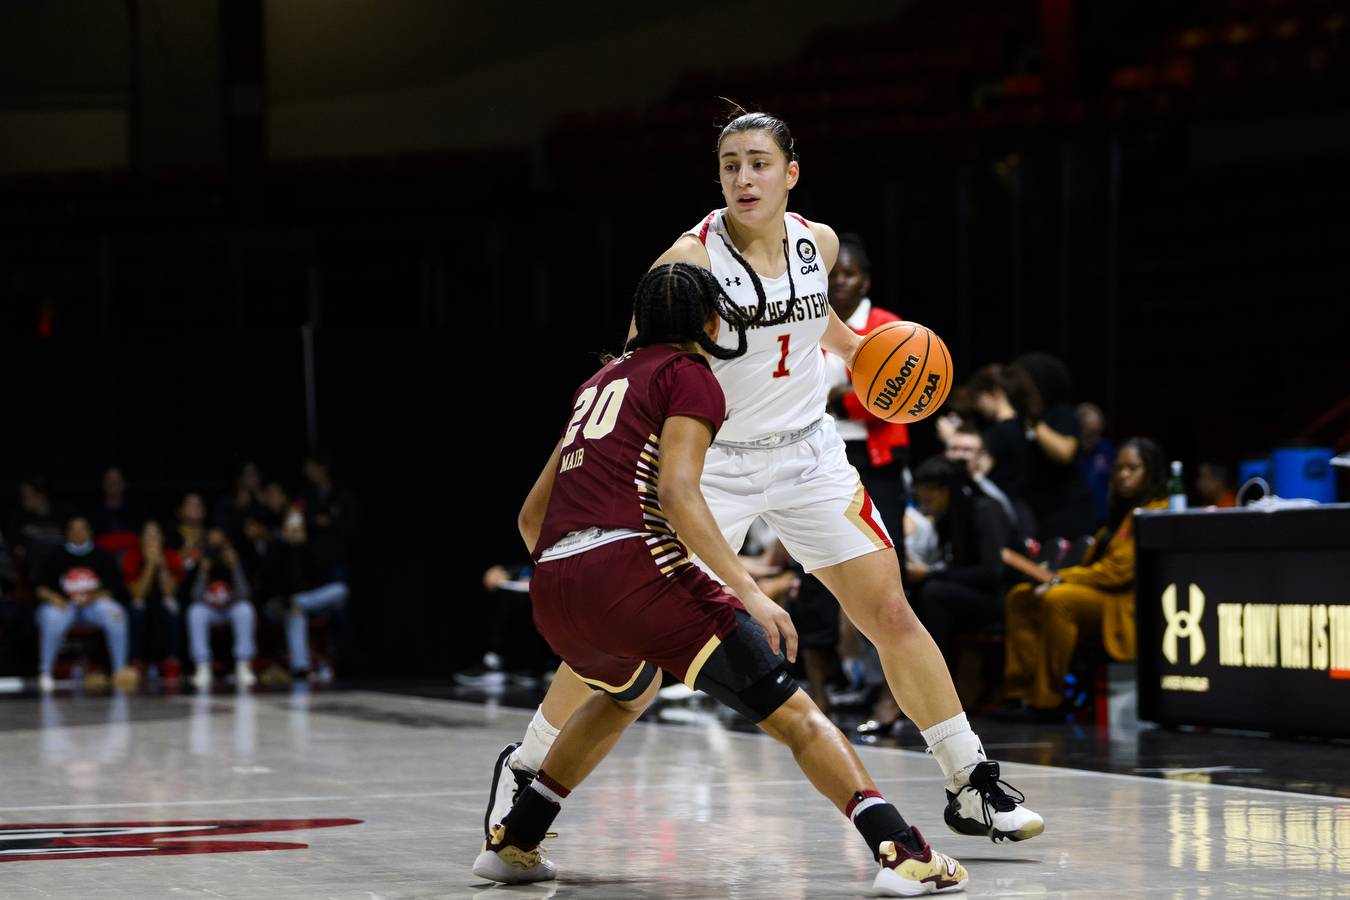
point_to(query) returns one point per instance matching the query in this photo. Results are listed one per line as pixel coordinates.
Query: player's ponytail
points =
(673, 301)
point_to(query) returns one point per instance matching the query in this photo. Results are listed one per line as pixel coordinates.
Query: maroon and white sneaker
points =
(905, 873)
(508, 861)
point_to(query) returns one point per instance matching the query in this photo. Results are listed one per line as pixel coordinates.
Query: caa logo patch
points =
(87, 841)
(806, 251)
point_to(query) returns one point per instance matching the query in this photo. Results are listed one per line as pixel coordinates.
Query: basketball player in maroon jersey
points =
(611, 522)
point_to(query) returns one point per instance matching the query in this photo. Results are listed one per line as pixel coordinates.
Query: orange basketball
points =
(902, 372)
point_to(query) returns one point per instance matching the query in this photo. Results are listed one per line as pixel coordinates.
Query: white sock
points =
(538, 738)
(956, 748)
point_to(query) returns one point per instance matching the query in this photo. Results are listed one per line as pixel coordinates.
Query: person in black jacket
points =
(964, 590)
(303, 577)
(79, 583)
(221, 595)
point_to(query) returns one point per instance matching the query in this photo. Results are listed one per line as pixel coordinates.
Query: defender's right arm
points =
(531, 518)
(684, 443)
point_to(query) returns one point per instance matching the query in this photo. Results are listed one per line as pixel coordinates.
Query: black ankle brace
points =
(531, 816)
(884, 823)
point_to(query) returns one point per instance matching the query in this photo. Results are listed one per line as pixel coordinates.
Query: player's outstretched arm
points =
(684, 443)
(531, 518)
(840, 340)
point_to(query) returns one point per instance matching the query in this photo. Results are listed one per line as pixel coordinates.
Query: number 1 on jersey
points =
(782, 370)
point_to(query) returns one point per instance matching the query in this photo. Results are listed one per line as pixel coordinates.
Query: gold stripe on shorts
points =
(697, 665)
(610, 688)
(854, 515)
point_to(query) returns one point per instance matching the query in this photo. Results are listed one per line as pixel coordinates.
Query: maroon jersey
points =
(607, 473)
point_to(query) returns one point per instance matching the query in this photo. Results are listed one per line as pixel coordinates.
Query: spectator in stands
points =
(77, 584)
(274, 501)
(878, 449)
(36, 526)
(191, 534)
(1056, 492)
(1214, 485)
(116, 513)
(153, 574)
(241, 514)
(966, 446)
(964, 589)
(1095, 455)
(16, 618)
(957, 411)
(1007, 399)
(1044, 619)
(517, 654)
(303, 579)
(332, 516)
(220, 595)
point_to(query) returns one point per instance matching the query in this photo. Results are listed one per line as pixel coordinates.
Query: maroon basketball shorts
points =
(617, 614)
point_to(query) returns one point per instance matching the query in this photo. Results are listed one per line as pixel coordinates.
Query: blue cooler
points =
(1305, 472)
(1254, 468)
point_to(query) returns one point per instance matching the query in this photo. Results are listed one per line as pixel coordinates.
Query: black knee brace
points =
(745, 674)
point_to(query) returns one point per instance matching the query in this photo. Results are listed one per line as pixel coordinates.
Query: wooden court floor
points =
(354, 795)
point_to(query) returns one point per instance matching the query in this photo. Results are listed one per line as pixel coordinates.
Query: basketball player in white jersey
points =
(778, 456)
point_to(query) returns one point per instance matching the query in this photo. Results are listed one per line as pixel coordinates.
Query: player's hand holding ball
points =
(902, 372)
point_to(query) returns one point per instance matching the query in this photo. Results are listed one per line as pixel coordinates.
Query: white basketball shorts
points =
(808, 493)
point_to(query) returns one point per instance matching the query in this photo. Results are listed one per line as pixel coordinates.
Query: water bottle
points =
(1176, 488)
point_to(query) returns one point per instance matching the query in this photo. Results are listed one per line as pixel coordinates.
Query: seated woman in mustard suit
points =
(1044, 619)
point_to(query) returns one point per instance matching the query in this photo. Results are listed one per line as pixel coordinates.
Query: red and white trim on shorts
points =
(863, 515)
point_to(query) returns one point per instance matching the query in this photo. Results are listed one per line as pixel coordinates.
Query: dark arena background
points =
(393, 236)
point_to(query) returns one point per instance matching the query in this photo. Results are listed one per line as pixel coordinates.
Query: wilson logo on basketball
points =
(927, 396)
(885, 398)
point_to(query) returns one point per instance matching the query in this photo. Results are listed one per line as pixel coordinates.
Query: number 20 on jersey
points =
(604, 417)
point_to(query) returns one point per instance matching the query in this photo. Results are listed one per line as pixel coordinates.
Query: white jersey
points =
(779, 385)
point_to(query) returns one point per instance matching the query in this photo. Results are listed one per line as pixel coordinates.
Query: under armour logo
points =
(1183, 623)
(736, 279)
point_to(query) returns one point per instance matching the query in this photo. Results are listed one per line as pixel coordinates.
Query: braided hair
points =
(741, 120)
(672, 303)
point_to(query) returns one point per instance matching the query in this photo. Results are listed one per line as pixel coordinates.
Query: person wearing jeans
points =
(75, 585)
(220, 594)
(304, 581)
(326, 599)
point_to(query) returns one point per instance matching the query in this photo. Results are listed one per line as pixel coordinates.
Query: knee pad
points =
(744, 674)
